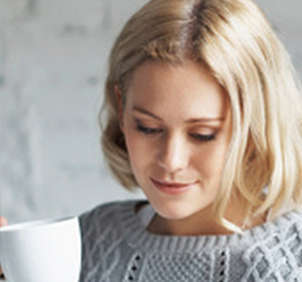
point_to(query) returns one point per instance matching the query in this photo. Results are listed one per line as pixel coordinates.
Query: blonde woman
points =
(202, 112)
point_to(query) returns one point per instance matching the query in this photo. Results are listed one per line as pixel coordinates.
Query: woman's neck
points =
(201, 223)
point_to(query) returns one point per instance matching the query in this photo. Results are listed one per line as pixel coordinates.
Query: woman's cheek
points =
(137, 148)
(217, 160)
(209, 161)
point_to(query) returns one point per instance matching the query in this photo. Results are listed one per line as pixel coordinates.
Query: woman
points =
(203, 113)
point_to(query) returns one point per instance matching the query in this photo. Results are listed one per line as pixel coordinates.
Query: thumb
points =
(3, 221)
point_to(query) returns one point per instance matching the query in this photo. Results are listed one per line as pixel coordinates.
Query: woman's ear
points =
(118, 95)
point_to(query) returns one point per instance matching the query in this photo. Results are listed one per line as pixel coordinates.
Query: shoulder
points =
(102, 214)
(295, 226)
(292, 221)
(102, 235)
(287, 227)
(281, 245)
(104, 218)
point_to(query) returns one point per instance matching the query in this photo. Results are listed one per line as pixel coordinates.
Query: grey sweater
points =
(117, 247)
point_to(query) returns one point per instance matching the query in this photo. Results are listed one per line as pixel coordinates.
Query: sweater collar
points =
(138, 236)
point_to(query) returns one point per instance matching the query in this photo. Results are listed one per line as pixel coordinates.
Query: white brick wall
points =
(52, 67)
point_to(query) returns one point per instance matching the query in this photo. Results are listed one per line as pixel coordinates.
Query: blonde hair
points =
(238, 46)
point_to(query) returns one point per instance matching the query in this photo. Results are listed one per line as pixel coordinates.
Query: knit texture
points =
(117, 247)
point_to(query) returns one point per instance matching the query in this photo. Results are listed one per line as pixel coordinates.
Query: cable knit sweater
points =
(117, 247)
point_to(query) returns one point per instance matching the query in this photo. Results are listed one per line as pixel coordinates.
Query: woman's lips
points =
(172, 188)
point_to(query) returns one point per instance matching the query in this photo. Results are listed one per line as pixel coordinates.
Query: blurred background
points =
(53, 62)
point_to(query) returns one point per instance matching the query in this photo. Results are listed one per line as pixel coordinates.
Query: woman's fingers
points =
(3, 222)
(1, 274)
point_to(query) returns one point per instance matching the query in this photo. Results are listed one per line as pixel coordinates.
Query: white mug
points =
(41, 251)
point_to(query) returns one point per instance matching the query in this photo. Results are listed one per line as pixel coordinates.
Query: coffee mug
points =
(41, 251)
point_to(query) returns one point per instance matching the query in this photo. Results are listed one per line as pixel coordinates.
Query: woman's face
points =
(177, 128)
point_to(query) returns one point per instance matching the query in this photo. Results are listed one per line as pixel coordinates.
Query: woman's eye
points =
(199, 137)
(204, 138)
(147, 130)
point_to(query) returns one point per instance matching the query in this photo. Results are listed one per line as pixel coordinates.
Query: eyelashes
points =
(153, 131)
(203, 137)
(147, 130)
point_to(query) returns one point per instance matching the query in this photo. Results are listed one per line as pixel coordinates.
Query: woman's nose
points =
(173, 154)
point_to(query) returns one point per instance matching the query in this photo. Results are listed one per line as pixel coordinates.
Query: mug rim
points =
(35, 223)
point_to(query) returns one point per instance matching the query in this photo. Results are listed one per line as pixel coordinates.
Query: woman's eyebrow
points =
(191, 120)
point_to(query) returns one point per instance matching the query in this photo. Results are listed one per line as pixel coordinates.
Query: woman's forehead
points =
(164, 76)
(187, 89)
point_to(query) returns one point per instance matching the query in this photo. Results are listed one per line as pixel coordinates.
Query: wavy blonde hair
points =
(239, 47)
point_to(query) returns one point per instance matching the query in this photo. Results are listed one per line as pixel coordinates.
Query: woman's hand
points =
(3, 222)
